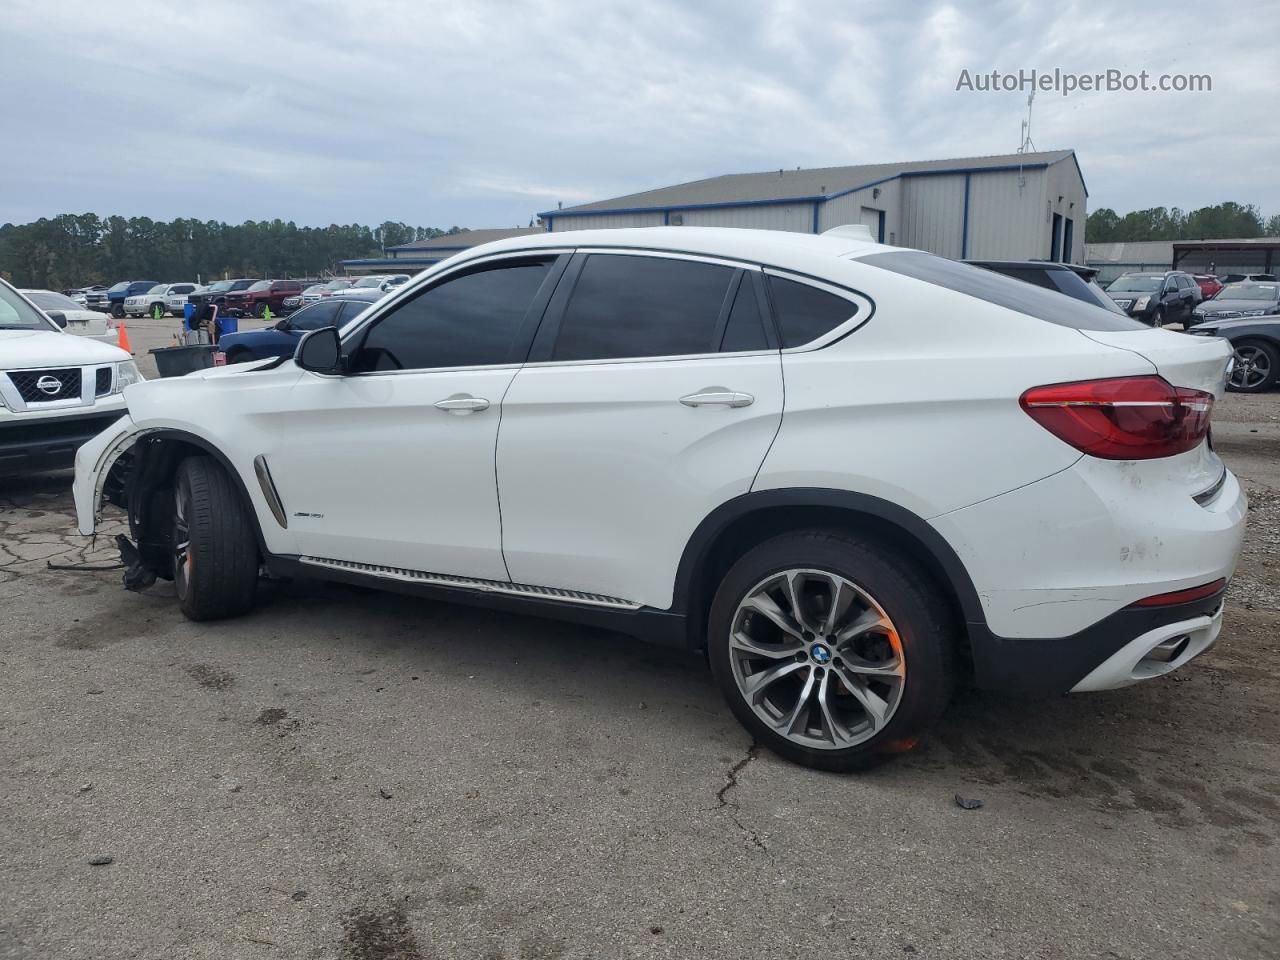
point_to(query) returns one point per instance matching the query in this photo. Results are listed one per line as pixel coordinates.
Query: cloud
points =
(483, 113)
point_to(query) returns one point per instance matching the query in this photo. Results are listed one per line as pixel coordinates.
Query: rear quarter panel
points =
(919, 405)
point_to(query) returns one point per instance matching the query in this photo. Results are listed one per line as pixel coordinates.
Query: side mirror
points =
(320, 351)
(283, 324)
(58, 317)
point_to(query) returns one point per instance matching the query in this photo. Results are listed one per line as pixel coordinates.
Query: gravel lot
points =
(357, 775)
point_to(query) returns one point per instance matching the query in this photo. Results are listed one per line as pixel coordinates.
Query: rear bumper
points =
(50, 442)
(1131, 645)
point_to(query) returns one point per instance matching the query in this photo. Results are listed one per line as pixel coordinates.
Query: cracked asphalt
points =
(345, 774)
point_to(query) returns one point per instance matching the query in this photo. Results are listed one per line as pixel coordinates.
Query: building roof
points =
(466, 238)
(818, 183)
(1131, 251)
(1263, 242)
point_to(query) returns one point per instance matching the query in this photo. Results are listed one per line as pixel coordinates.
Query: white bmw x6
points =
(853, 474)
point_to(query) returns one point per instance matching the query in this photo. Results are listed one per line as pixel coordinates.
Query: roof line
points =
(817, 198)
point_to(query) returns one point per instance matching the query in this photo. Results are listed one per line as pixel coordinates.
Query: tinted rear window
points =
(1003, 291)
(805, 313)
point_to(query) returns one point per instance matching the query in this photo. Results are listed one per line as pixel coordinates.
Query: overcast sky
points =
(482, 114)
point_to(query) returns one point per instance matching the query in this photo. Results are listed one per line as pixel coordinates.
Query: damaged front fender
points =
(95, 463)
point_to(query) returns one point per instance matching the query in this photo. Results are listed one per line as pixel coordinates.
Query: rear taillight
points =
(1126, 418)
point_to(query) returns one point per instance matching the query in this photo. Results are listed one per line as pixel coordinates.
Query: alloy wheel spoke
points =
(877, 709)
(764, 604)
(801, 710)
(744, 643)
(834, 729)
(842, 597)
(755, 685)
(870, 619)
(872, 668)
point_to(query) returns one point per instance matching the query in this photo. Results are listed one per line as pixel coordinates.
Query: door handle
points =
(462, 403)
(717, 396)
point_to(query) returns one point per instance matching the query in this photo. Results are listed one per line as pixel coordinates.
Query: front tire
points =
(831, 650)
(240, 356)
(1257, 367)
(215, 565)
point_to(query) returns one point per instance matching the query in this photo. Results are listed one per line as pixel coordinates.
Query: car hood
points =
(1220, 306)
(22, 349)
(1271, 321)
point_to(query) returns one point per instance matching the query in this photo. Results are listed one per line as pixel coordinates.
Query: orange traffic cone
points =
(123, 340)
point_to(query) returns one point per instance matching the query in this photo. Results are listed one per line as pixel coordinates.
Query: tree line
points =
(1226, 220)
(74, 250)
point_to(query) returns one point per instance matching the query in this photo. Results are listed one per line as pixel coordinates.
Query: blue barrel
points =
(188, 310)
(227, 324)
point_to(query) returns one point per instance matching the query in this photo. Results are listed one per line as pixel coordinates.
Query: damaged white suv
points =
(854, 474)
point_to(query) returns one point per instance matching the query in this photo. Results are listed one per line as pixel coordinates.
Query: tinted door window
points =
(350, 309)
(467, 321)
(745, 327)
(805, 313)
(625, 306)
(323, 314)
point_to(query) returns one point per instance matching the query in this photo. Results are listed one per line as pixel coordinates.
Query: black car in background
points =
(1068, 278)
(216, 292)
(1256, 342)
(1156, 298)
(1239, 300)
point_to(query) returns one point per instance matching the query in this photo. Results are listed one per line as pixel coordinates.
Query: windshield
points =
(117, 287)
(260, 285)
(365, 282)
(218, 287)
(158, 289)
(17, 314)
(48, 300)
(242, 284)
(1136, 284)
(1247, 291)
(337, 285)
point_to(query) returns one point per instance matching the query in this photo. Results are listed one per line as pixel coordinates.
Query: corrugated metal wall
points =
(848, 209)
(797, 217)
(1006, 219)
(1063, 180)
(933, 214)
(606, 221)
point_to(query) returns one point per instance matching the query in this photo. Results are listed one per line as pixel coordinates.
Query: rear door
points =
(650, 398)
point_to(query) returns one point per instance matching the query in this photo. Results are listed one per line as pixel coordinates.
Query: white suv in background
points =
(57, 390)
(167, 297)
(851, 473)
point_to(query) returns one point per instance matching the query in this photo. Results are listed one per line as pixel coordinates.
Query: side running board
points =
(472, 583)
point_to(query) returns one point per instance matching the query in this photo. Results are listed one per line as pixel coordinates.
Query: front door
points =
(393, 464)
(651, 397)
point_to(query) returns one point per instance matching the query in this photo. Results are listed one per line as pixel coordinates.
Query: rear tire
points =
(240, 356)
(847, 692)
(1157, 318)
(260, 310)
(215, 551)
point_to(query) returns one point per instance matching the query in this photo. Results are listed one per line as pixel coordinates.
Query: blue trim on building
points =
(964, 220)
(666, 218)
(816, 205)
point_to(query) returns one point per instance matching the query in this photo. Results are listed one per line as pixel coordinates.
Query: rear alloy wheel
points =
(1255, 368)
(215, 553)
(831, 651)
(1157, 318)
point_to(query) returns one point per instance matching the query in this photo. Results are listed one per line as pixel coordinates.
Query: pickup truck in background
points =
(258, 297)
(216, 292)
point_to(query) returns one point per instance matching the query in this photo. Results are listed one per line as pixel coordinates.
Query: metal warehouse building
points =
(412, 257)
(1014, 206)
